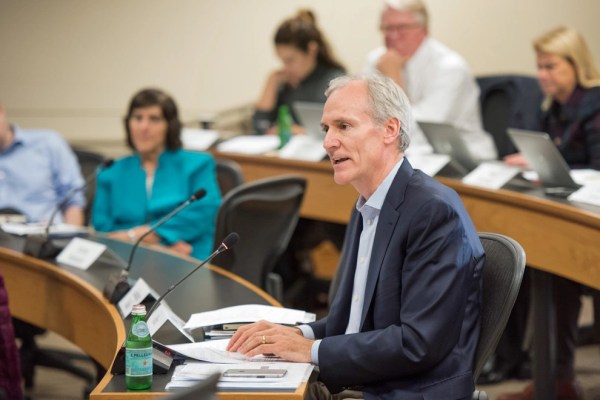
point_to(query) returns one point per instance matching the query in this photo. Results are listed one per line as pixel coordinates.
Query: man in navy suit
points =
(404, 323)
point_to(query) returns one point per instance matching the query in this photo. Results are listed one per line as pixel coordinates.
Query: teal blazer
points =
(121, 201)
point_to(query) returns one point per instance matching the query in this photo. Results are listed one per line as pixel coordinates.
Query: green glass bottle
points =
(284, 124)
(138, 351)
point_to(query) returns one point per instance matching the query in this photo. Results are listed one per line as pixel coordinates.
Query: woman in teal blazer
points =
(138, 190)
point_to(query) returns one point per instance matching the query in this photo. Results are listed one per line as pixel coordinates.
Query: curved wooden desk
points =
(70, 303)
(57, 300)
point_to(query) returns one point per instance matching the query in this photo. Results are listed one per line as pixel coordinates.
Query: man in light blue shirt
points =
(404, 322)
(38, 170)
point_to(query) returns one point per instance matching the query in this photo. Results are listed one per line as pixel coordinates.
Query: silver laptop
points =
(545, 159)
(448, 139)
(309, 115)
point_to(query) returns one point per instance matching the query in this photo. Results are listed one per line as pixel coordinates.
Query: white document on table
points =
(431, 164)
(250, 144)
(214, 351)
(190, 373)
(249, 313)
(198, 139)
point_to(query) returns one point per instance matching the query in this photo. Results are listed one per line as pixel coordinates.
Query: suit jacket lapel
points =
(340, 308)
(388, 219)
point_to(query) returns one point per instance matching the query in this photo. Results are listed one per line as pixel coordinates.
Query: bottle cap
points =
(139, 309)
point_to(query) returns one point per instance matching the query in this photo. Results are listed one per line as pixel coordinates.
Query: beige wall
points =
(72, 65)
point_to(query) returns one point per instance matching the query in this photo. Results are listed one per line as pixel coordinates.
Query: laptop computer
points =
(447, 139)
(545, 159)
(309, 115)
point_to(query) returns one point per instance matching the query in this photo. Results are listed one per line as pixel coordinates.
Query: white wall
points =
(73, 65)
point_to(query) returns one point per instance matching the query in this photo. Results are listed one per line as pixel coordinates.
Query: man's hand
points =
(391, 64)
(268, 338)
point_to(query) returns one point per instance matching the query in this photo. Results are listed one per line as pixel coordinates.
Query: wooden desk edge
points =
(79, 285)
(98, 394)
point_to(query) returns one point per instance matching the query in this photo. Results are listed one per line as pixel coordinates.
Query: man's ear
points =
(392, 130)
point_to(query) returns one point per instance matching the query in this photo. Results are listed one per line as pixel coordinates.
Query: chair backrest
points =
(88, 161)
(502, 275)
(495, 114)
(229, 175)
(204, 390)
(508, 101)
(264, 213)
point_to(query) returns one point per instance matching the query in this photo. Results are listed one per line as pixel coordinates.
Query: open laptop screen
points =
(544, 158)
(309, 115)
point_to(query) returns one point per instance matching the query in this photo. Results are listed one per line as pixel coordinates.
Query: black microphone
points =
(162, 357)
(227, 243)
(41, 246)
(117, 284)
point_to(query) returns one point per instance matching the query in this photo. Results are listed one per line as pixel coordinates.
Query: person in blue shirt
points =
(138, 190)
(38, 171)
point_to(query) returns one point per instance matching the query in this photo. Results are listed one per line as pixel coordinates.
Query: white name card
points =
(491, 175)
(138, 292)
(162, 314)
(588, 194)
(80, 253)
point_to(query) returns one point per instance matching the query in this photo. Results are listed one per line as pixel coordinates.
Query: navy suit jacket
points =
(420, 320)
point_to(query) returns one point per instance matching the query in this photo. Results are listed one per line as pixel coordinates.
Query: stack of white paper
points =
(191, 373)
(198, 139)
(303, 147)
(249, 313)
(250, 144)
(214, 351)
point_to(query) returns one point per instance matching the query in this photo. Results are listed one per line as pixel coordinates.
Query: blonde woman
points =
(570, 114)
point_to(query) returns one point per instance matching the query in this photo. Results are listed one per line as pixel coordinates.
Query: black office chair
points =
(229, 175)
(502, 275)
(88, 161)
(508, 101)
(264, 213)
(205, 390)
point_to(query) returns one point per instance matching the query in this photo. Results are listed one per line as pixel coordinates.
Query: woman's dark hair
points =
(302, 29)
(155, 97)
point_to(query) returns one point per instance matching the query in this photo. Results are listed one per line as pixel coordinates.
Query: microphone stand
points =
(117, 284)
(228, 243)
(162, 357)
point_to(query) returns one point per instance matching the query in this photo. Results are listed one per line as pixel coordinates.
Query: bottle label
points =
(138, 362)
(140, 329)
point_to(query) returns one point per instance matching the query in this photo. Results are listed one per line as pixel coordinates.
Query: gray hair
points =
(386, 98)
(416, 7)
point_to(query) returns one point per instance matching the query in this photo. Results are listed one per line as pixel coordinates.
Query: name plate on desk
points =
(138, 292)
(491, 175)
(161, 315)
(80, 253)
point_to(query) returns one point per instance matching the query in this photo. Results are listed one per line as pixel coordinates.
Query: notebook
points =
(545, 159)
(309, 115)
(447, 139)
